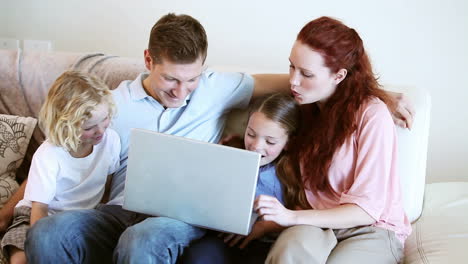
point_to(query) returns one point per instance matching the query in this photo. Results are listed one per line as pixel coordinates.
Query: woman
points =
(341, 182)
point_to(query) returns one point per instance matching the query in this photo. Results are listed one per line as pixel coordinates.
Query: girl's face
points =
(264, 136)
(93, 129)
(311, 81)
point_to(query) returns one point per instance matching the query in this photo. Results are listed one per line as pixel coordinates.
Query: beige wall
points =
(417, 43)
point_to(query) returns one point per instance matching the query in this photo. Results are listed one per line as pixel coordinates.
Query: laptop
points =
(203, 184)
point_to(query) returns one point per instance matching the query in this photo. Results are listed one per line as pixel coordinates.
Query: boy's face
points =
(170, 83)
(265, 137)
(93, 129)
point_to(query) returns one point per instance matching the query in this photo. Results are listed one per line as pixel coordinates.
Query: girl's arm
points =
(38, 211)
(259, 229)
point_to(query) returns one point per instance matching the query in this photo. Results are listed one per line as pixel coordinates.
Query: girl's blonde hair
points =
(68, 105)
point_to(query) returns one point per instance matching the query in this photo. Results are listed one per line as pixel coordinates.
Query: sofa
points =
(436, 210)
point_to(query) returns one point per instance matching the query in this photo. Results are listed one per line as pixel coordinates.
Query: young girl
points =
(69, 170)
(344, 183)
(273, 119)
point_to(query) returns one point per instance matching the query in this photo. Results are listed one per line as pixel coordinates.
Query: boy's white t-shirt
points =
(64, 182)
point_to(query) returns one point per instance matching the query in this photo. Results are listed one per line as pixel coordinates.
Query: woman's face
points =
(311, 81)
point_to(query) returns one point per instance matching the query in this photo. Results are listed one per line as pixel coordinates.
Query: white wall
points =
(417, 43)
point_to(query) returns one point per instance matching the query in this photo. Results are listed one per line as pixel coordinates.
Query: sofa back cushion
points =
(412, 151)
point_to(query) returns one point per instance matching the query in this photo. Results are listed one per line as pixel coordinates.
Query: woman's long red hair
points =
(325, 130)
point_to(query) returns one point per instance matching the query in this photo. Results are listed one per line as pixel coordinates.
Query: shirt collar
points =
(137, 92)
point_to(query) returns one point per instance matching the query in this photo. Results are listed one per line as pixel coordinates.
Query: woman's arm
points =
(38, 211)
(343, 216)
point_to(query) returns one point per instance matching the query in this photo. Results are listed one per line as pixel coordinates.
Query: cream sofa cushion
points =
(412, 151)
(440, 235)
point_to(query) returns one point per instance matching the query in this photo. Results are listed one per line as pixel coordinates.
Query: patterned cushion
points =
(15, 133)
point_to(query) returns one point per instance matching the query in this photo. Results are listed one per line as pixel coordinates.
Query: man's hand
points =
(404, 111)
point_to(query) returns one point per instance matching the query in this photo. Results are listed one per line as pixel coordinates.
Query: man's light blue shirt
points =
(201, 117)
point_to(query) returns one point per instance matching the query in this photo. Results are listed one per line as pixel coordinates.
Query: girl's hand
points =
(258, 230)
(270, 209)
(231, 239)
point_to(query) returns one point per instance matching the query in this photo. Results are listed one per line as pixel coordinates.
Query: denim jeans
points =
(106, 235)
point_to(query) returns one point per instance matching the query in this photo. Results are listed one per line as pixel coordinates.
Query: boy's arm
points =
(6, 213)
(38, 211)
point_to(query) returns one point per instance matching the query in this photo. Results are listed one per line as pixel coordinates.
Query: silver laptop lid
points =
(204, 184)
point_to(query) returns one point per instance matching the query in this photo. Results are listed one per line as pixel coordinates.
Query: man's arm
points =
(403, 114)
(270, 83)
(6, 213)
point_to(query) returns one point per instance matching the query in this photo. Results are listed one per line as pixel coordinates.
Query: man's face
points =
(170, 83)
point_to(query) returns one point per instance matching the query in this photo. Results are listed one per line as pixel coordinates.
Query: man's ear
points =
(340, 75)
(148, 60)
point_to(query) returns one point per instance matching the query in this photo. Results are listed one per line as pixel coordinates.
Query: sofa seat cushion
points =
(441, 234)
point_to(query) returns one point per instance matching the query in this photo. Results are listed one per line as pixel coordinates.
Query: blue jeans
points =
(106, 235)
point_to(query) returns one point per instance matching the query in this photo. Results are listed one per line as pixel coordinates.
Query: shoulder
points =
(124, 91)
(222, 81)
(375, 119)
(375, 110)
(47, 149)
(224, 89)
(48, 154)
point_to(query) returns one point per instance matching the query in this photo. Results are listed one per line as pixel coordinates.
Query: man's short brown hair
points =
(177, 38)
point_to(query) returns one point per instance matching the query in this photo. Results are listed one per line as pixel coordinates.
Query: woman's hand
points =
(270, 209)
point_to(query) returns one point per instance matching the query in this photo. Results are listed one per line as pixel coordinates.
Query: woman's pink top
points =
(364, 172)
